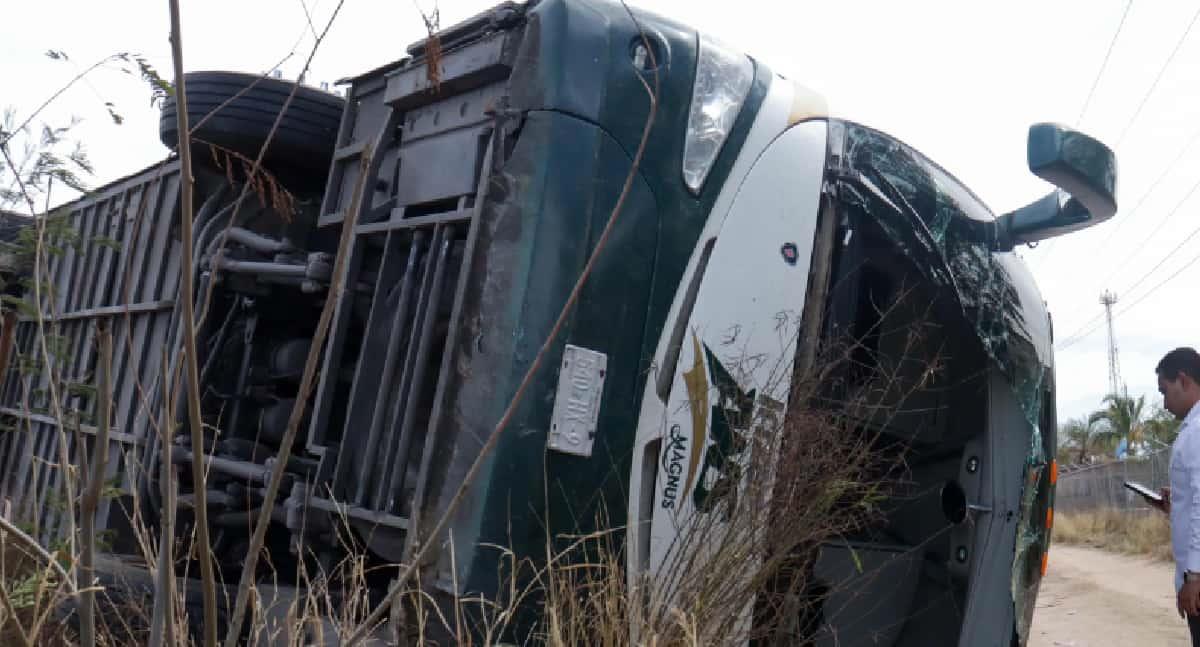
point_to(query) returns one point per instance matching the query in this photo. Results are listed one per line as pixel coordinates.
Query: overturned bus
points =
(753, 225)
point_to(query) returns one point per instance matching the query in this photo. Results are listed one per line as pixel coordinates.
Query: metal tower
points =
(1108, 300)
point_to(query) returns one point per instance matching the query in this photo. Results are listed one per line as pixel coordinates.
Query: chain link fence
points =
(1086, 488)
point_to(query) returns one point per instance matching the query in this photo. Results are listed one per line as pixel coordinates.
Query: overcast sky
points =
(961, 81)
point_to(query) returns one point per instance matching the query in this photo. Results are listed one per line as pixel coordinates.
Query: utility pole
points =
(1115, 388)
(1108, 300)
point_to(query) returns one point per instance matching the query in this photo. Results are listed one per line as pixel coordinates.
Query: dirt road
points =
(1092, 598)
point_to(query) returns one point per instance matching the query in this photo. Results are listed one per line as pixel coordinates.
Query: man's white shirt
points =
(1185, 496)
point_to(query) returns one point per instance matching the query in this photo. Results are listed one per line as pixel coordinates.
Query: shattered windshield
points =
(940, 225)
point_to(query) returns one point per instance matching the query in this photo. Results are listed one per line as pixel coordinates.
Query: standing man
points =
(1179, 383)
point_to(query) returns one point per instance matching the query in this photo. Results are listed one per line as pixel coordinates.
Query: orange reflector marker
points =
(1049, 518)
(1045, 562)
(1053, 471)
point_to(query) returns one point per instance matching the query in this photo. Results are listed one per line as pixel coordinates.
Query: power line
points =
(1178, 247)
(1082, 333)
(1092, 92)
(1134, 210)
(1161, 70)
(1093, 324)
(1136, 249)
(1104, 64)
(1137, 112)
(1077, 337)
(1145, 97)
(1161, 283)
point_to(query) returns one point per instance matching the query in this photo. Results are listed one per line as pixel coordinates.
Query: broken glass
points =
(942, 227)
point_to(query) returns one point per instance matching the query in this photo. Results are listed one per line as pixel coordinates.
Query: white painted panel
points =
(744, 323)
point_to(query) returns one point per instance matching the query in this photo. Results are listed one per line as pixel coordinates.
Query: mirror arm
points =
(1013, 228)
(1025, 225)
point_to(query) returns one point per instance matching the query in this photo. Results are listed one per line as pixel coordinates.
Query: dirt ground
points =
(1092, 598)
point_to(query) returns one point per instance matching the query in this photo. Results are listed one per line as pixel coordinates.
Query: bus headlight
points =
(722, 80)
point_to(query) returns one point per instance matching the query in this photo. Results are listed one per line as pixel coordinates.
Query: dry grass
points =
(743, 569)
(29, 593)
(1132, 533)
(818, 474)
(793, 477)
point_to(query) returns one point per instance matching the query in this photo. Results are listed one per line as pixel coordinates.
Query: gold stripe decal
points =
(697, 387)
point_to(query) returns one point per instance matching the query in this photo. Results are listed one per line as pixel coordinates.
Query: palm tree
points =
(1123, 416)
(1161, 426)
(1087, 436)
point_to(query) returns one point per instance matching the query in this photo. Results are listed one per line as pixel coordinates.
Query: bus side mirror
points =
(1085, 172)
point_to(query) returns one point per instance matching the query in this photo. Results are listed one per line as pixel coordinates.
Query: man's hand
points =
(1165, 506)
(1188, 600)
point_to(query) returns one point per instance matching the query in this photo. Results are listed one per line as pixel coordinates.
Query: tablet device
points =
(1147, 493)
